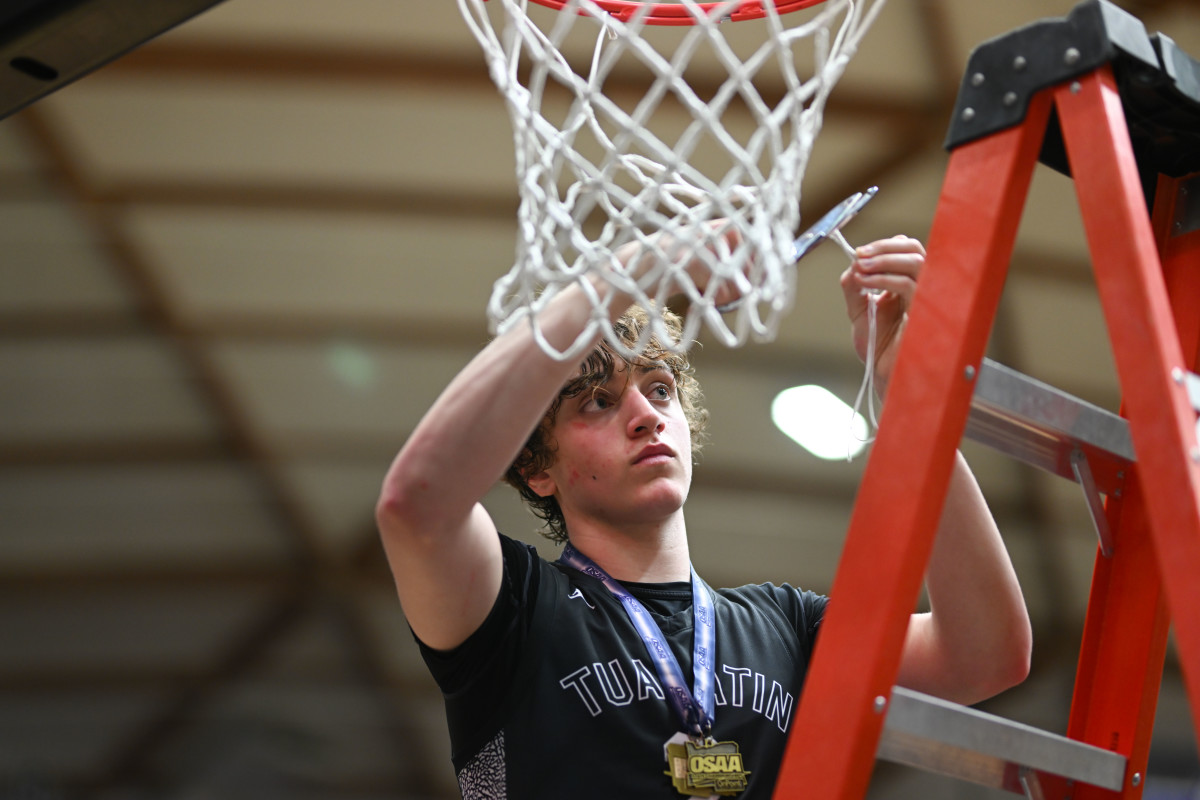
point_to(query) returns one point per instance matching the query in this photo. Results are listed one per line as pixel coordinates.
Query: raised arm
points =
(440, 542)
(976, 640)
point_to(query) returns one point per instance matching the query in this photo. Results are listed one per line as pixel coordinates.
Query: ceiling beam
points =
(227, 195)
(463, 71)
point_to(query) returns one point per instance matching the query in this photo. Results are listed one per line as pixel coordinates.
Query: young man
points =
(595, 676)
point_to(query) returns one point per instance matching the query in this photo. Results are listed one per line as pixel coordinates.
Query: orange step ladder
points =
(1119, 111)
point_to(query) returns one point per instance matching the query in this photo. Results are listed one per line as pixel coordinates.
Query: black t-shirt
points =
(555, 696)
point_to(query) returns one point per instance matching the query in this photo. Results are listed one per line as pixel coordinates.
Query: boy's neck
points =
(659, 558)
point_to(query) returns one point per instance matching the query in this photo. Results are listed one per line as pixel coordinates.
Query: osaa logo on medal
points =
(701, 770)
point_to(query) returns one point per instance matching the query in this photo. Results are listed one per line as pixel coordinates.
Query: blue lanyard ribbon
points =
(695, 709)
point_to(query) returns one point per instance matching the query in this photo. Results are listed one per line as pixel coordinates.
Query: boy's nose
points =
(643, 416)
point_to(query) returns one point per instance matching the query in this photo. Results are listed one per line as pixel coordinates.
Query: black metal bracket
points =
(47, 44)
(1158, 82)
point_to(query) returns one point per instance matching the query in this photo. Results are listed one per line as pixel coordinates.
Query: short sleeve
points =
(491, 652)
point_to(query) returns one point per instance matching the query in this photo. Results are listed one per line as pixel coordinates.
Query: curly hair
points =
(596, 370)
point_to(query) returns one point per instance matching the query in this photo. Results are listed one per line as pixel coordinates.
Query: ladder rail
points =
(1147, 352)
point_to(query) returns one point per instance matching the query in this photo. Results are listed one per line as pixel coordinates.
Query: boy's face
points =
(623, 452)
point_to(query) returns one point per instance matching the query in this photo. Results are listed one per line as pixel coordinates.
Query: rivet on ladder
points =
(1136, 780)
(1177, 375)
(880, 704)
(969, 372)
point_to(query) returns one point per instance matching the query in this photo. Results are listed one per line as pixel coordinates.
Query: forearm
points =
(976, 639)
(477, 426)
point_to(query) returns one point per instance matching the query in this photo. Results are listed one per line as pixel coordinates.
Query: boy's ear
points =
(541, 483)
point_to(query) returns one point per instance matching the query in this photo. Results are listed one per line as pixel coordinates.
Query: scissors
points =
(833, 221)
(825, 227)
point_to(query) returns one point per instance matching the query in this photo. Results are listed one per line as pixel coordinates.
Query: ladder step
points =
(1043, 426)
(939, 736)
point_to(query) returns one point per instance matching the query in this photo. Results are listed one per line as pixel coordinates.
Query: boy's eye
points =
(597, 402)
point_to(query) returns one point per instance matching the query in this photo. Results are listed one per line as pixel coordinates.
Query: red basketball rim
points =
(677, 14)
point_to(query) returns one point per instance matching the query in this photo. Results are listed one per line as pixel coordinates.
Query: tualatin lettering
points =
(615, 684)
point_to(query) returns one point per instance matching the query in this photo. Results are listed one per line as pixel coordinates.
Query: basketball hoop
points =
(685, 14)
(626, 139)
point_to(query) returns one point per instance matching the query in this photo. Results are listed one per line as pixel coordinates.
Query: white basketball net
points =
(600, 167)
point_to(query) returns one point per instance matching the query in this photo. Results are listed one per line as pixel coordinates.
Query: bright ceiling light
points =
(819, 422)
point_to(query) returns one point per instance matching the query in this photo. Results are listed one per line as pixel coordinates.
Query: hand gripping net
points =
(626, 143)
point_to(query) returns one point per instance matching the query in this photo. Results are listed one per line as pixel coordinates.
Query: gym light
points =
(817, 420)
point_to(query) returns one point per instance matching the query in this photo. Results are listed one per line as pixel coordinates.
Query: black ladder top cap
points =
(1159, 83)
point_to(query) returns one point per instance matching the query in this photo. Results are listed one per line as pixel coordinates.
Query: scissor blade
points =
(833, 220)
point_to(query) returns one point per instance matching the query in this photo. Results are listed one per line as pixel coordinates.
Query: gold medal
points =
(705, 769)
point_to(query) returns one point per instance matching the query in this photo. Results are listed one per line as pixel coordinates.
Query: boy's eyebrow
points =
(653, 366)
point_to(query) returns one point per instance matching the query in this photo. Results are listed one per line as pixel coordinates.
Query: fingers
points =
(720, 241)
(852, 289)
(687, 260)
(897, 244)
(892, 265)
